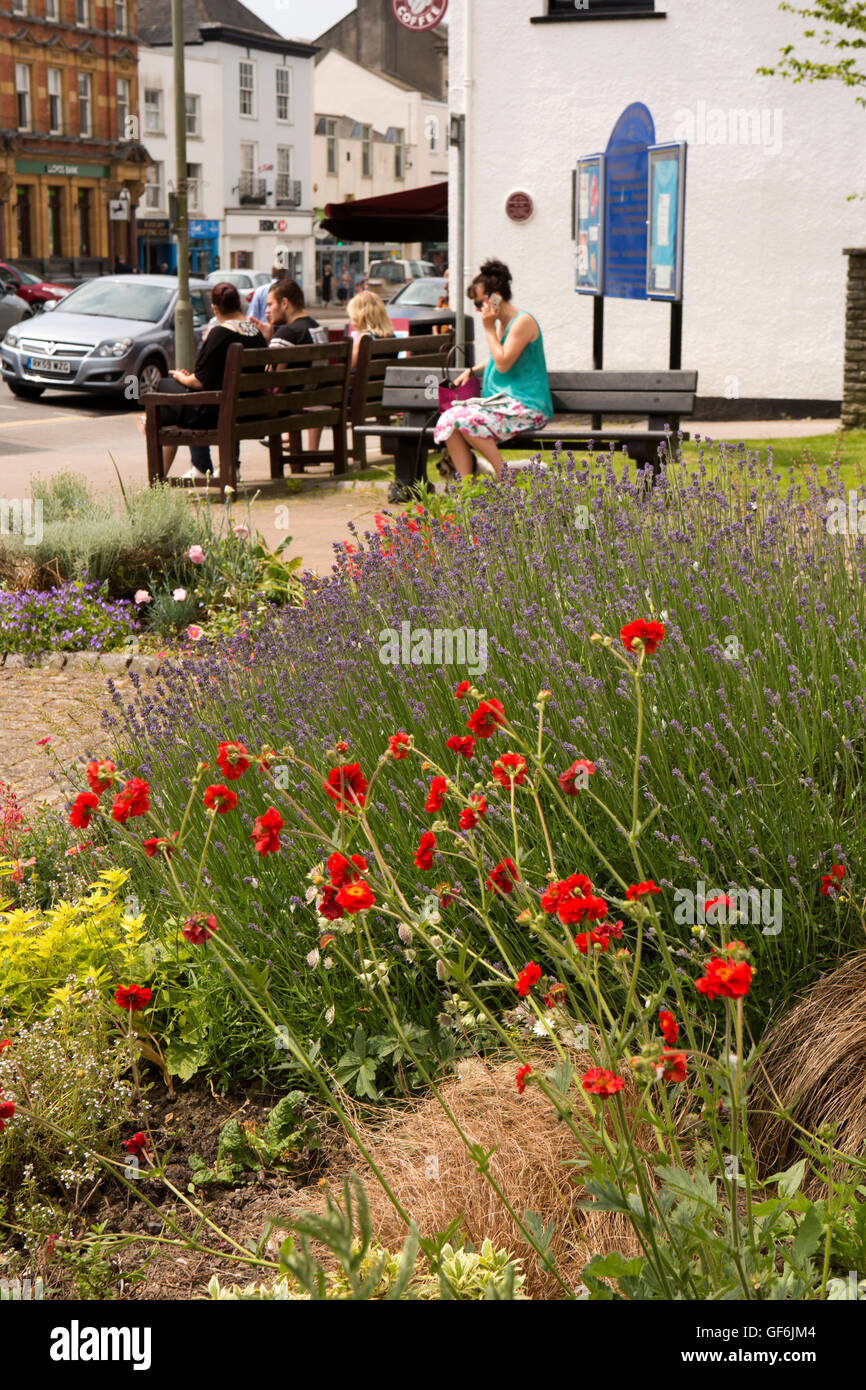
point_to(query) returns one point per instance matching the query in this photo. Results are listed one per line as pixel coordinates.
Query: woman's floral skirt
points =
(497, 421)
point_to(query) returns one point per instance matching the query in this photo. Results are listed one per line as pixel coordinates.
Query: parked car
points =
(12, 308)
(418, 300)
(387, 277)
(29, 287)
(105, 333)
(247, 281)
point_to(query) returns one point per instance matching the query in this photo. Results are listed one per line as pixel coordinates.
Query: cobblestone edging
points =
(112, 663)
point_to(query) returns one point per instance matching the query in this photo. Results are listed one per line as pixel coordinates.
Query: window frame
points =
(366, 151)
(125, 105)
(288, 95)
(85, 6)
(159, 129)
(52, 96)
(566, 11)
(86, 78)
(54, 8)
(124, 8)
(249, 64)
(25, 91)
(19, 8)
(400, 153)
(194, 203)
(331, 147)
(195, 133)
(287, 174)
(157, 185)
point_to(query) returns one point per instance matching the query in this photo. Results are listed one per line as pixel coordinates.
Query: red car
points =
(30, 287)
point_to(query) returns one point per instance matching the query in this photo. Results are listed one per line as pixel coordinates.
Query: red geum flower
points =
(198, 928)
(471, 815)
(830, 882)
(727, 979)
(510, 768)
(462, 689)
(486, 719)
(722, 901)
(399, 745)
(136, 1145)
(598, 1081)
(675, 1066)
(640, 890)
(670, 1032)
(220, 799)
(356, 897)
(568, 779)
(461, 744)
(528, 976)
(555, 892)
(154, 844)
(232, 759)
(327, 906)
(100, 776)
(132, 997)
(341, 746)
(346, 785)
(82, 809)
(585, 940)
(132, 801)
(266, 831)
(342, 870)
(574, 907)
(520, 1078)
(7, 1042)
(436, 794)
(503, 878)
(7, 1110)
(424, 852)
(651, 634)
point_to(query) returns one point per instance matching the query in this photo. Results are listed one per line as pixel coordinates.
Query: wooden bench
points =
(375, 357)
(266, 392)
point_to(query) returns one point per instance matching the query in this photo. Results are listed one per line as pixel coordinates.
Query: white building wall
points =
(766, 222)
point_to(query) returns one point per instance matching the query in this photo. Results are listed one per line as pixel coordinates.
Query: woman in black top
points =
(232, 326)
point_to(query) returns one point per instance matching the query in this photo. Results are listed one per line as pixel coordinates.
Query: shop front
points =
(259, 242)
(157, 252)
(204, 245)
(56, 214)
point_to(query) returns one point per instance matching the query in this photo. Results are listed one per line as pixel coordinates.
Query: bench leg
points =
(275, 451)
(408, 468)
(155, 473)
(340, 448)
(227, 475)
(296, 451)
(359, 449)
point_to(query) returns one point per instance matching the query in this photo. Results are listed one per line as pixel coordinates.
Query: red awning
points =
(416, 214)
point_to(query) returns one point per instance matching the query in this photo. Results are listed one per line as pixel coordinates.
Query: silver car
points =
(106, 334)
(12, 307)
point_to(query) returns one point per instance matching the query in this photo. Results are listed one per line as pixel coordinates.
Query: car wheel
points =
(27, 393)
(150, 374)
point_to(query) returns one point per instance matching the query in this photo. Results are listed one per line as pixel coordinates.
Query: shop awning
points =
(416, 214)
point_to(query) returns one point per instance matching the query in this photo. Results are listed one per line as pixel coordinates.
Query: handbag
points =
(450, 394)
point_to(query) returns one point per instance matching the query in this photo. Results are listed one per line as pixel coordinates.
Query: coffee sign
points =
(419, 14)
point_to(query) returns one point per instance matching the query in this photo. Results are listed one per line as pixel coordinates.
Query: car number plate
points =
(47, 364)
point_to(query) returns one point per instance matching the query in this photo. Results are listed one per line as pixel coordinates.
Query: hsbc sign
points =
(419, 14)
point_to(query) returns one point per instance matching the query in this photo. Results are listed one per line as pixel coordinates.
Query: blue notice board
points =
(588, 230)
(627, 204)
(665, 229)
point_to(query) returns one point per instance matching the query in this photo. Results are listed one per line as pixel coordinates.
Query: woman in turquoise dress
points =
(513, 395)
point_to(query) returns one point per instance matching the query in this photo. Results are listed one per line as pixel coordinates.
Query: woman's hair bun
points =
(494, 278)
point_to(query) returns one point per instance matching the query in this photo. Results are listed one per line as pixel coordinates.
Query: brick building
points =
(69, 133)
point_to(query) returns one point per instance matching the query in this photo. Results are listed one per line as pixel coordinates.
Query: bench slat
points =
(622, 402)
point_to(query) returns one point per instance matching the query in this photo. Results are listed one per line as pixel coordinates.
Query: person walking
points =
(513, 393)
(327, 282)
(232, 326)
(344, 289)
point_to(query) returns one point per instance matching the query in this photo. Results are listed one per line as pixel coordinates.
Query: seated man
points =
(288, 322)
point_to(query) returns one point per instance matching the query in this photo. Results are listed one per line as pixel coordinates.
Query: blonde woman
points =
(367, 318)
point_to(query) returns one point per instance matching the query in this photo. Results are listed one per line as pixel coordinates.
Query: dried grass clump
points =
(529, 1165)
(814, 1067)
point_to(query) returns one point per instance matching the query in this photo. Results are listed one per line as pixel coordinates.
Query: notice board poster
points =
(588, 228)
(665, 227)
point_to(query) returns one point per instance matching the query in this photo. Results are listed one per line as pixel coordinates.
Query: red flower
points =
(436, 794)
(675, 1069)
(424, 852)
(151, 846)
(346, 785)
(640, 890)
(266, 831)
(341, 746)
(503, 878)
(555, 892)
(471, 815)
(7, 1110)
(327, 905)
(830, 882)
(510, 769)
(722, 901)
(462, 689)
(520, 1078)
(461, 744)
(132, 997)
(356, 897)
(727, 979)
(600, 1082)
(198, 928)
(220, 799)
(572, 899)
(342, 870)
(529, 976)
(486, 719)
(584, 940)
(7, 1042)
(82, 809)
(136, 1145)
(670, 1032)
(651, 634)
(232, 760)
(567, 779)
(399, 745)
(132, 801)
(100, 776)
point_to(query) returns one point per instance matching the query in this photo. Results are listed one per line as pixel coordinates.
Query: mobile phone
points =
(495, 302)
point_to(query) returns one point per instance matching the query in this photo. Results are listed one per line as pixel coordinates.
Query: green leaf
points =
(791, 1180)
(808, 1238)
(614, 1266)
(184, 1057)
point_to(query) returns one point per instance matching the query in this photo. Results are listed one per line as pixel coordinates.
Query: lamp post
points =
(456, 278)
(184, 349)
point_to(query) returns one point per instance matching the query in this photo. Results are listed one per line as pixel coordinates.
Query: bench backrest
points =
(376, 358)
(280, 384)
(574, 393)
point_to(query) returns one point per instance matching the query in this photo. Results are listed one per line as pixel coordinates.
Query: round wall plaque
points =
(419, 14)
(519, 206)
